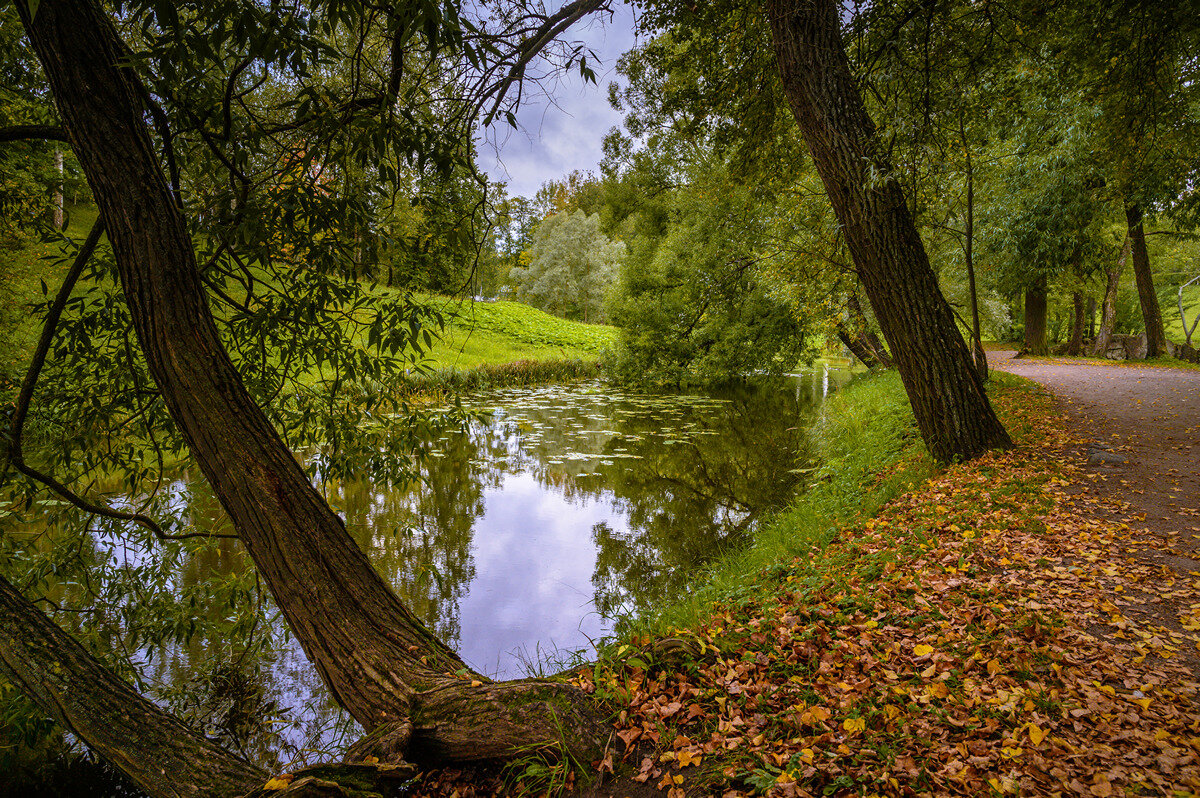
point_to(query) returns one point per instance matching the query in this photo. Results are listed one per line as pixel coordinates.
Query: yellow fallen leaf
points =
(922, 650)
(1036, 735)
(854, 725)
(994, 666)
(476, 683)
(278, 782)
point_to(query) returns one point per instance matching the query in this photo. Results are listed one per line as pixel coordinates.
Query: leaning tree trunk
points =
(852, 341)
(855, 333)
(1075, 345)
(947, 396)
(869, 339)
(1156, 336)
(1035, 318)
(379, 662)
(155, 749)
(981, 364)
(1108, 313)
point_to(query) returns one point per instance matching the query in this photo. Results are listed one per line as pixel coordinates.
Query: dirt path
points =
(1149, 418)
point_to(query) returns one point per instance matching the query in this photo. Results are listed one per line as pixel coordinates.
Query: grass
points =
(477, 335)
(488, 333)
(867, 441)
(23, 271)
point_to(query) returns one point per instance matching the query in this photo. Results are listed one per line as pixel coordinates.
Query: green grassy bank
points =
(491, 333)
(500, 339)
(870, 452)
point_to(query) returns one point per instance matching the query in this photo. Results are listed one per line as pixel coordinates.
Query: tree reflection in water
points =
(526, 532)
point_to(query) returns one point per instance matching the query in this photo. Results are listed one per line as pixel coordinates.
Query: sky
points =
(562, 130)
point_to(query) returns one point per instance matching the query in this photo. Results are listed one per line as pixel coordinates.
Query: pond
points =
(533, 529)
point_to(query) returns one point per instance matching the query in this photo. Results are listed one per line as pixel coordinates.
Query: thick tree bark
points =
(1108, 314)
(1035, 319)
(1075, 345)
(947, 396)
(379, 662)
(1156, 336)
(156, 750)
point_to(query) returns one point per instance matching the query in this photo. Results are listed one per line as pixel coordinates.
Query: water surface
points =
(531, 530)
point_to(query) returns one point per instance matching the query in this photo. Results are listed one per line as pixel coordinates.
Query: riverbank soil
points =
(1012, 626)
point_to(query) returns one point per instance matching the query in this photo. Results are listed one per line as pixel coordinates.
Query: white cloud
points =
(534, 559)
(562, 129)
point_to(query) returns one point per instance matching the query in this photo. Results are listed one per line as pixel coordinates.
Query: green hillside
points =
(479, 333)
(476, 333)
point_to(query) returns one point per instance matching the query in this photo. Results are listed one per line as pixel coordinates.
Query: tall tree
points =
(952, 411)
(571, 266)
(1156, 336)
(1134, 68)
(1108, 313)
(413, 695)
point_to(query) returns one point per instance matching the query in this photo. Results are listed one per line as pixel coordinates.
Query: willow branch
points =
(554, 25)
(16, 455)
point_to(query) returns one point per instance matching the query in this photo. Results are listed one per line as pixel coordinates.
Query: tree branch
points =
(549, 30)
(34, 133)
(16, 455)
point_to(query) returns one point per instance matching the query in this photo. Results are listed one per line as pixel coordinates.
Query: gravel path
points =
(1141, 425)
(1150, 415)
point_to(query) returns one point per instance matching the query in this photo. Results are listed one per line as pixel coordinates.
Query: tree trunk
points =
(379, 662)
(157, 751)
(1108, 315)
(856, 345)
(59, 210)
(1075, 346)
(868, 338)
(1091, 314)
(1035, 318)
(981, 364)
(1156, 336)
(947, 396)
